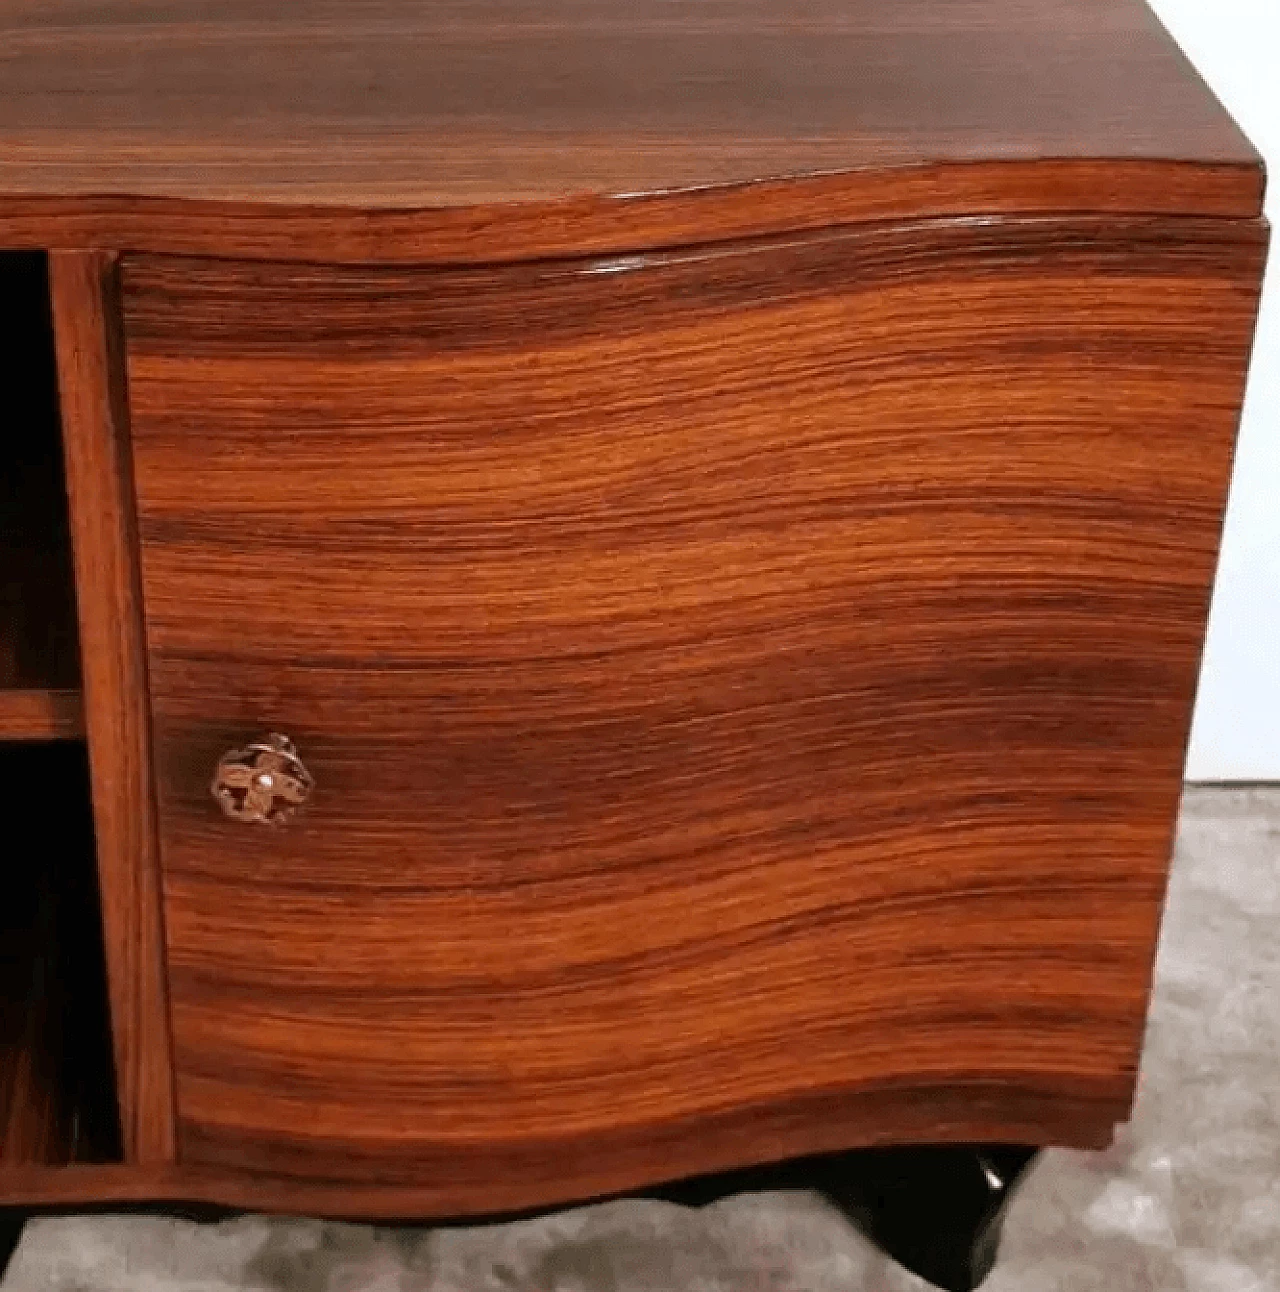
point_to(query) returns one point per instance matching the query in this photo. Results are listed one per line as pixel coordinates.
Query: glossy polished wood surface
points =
(484, 129)
(86, 312)
(746, 691)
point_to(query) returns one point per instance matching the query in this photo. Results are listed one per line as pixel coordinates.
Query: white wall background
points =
(1236, 734)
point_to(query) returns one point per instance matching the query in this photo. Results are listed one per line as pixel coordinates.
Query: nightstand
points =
(639, 578)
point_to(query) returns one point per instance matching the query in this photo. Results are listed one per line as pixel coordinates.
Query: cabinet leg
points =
(937, 1210)
(11, 1222)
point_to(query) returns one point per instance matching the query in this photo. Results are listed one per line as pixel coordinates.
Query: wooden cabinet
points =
(732, 558)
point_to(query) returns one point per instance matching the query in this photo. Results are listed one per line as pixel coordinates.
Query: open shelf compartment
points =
(39, 658)
(57, 1087)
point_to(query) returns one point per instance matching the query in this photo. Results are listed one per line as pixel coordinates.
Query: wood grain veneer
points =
(99, 484)
(602, 225)
(502, 129)
(41, 715)
(747, 690)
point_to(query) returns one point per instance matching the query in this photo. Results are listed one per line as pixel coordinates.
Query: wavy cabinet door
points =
(746, 691)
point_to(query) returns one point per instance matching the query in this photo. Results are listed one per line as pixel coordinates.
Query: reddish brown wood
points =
(393, 103)
(36, 1185)
(41, 715)
(531, 230)
(747, 691)
(99, 480)
(488, 129)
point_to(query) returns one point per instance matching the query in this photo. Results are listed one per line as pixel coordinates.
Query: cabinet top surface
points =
(402, 104)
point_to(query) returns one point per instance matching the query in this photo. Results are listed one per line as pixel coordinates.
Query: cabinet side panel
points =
(100, 489)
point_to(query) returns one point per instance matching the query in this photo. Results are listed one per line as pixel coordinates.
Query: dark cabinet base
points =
(11, 1222)
(936, 1210)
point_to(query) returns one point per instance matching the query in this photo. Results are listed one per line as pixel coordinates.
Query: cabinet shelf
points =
(41, 714)
(39, 658)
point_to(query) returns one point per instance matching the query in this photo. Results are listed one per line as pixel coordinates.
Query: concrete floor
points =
(1187, 1200)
